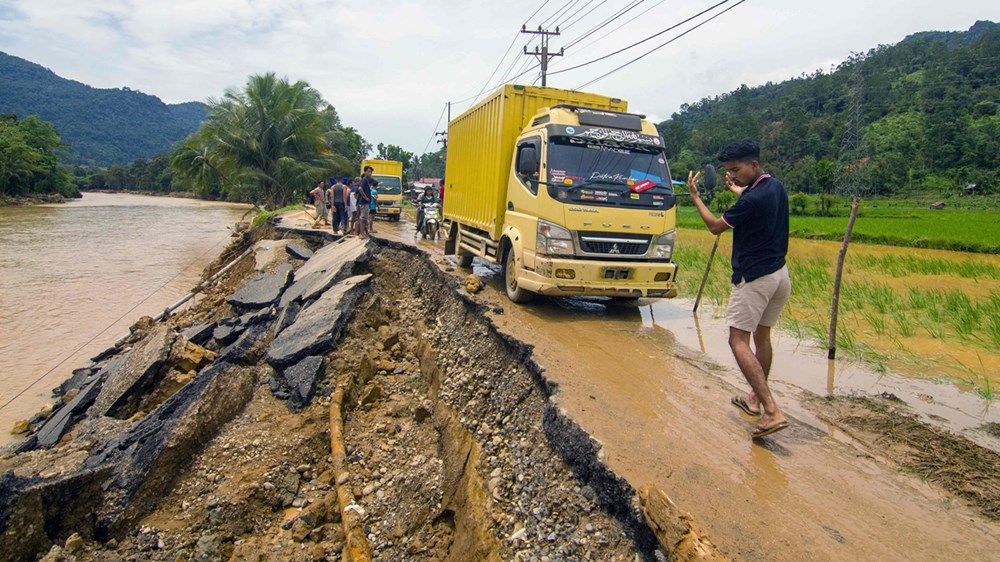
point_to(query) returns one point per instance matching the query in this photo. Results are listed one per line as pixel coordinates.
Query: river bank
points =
(38, 199)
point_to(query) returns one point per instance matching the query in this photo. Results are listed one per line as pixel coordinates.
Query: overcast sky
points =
(388, 66)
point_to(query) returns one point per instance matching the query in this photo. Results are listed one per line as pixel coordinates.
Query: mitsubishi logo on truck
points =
(615, 249)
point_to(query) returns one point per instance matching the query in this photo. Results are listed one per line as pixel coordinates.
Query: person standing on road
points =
(761, 284)
(319, 200)
(364, 201)
(335, 194)
(373, 204)
(441, 192)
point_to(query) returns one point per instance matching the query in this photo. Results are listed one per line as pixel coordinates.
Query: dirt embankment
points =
(204, 438)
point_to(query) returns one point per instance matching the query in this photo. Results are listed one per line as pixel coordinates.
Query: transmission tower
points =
(856, 178)
(542, 52)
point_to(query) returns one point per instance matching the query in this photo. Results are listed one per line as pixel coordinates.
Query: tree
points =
(269, 140)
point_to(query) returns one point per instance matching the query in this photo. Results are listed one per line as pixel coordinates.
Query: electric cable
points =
(607, 21)
(660, 46)
(641, 41)
(621, 25)
(434, 131)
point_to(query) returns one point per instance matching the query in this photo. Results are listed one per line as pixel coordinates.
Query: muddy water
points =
(76, 275)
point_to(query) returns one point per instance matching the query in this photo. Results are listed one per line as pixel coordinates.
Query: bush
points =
(723, 200)
(798, 203)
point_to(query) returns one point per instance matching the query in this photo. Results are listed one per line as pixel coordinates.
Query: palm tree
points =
(266, 143)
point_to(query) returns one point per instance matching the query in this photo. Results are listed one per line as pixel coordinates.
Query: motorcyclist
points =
(426, 198)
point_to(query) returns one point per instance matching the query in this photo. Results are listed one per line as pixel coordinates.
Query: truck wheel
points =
(514, 293)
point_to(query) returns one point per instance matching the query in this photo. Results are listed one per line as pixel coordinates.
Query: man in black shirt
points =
(761, 285)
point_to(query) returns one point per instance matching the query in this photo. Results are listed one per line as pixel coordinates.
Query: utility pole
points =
(444, 134)
(543, 54)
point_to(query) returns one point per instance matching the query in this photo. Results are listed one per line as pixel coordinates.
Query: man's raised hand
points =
(692, 182)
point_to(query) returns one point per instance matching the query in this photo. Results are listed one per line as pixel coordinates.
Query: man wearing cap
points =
(761, 285)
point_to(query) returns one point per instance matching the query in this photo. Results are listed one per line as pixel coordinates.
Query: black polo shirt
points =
(760, 229)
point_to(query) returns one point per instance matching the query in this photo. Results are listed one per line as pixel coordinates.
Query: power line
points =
(558, 13)
(621, 25)
(660, 46)
(434, 130)
(563, 25)
(543, 54)
(653, 36)
(607, 21)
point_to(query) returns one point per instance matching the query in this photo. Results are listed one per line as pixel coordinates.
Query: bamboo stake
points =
(704, 278)
(832, 340)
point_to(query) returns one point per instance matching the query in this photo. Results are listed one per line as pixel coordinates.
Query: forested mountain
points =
(930, 112)
(99, 126)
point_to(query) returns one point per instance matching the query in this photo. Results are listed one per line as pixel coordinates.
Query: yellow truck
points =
(566, 190)
(389, 174)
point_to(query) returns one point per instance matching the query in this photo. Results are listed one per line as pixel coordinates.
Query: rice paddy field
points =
(896, 224)
(921, 312)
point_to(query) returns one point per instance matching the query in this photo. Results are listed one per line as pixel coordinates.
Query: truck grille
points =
(609, 244)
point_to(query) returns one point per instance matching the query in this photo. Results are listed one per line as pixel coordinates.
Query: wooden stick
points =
(704, 278)
(832, 340)
(356, 548)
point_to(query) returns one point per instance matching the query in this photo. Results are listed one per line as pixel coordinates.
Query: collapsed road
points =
(343, 399)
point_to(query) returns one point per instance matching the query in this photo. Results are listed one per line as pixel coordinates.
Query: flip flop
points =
(759, 431)
(741, 403)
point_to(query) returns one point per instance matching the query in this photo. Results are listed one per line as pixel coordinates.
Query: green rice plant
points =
(847, 342)
(906, 265)
(986, 389)
(993, 330)
(962, 314)
(876, 319)
(934, 328)
(903, 324)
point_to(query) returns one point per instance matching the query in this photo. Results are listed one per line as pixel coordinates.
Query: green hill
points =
(930, 114)
(100, 126)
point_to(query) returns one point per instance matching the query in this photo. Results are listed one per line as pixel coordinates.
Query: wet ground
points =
(639, 380)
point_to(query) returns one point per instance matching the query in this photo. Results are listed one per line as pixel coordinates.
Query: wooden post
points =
(832, 340)
(704, 278)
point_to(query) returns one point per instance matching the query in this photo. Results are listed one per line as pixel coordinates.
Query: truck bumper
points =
(568, 277)
(387, 211)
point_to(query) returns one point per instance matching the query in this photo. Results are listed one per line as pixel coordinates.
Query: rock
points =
(373, 393)
(73, 544)
(300, 530)
(298, 251)
(192, 357)
(55, 554)
(937, 206)
(473, 284)
(262, 289)
(318, 325)
(389, 336)
(125, 375)
(199, 334)
(207, 548)
(20, 427)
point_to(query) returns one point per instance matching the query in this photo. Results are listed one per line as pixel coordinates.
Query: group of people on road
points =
(347, 205)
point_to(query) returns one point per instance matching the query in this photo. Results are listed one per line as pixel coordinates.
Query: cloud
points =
(389, 65)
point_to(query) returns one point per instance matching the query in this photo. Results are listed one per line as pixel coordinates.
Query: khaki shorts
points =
(759, 302)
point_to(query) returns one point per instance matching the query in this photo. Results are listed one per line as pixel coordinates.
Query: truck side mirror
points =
(527, 160)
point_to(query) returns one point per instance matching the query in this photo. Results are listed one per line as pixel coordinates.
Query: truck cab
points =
(389, 174)
(588, 207)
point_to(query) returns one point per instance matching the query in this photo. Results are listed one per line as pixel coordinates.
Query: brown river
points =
(75, 276)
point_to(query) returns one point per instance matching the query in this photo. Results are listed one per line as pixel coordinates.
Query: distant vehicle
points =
(389, 174)
(432, 221)
(568, 192)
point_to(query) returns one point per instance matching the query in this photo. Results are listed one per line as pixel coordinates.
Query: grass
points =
(912, 226)
(264, 215)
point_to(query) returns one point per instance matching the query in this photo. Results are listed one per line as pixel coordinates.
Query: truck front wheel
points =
(514, 292)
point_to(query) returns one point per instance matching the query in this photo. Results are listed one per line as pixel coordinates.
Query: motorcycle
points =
(432, 221)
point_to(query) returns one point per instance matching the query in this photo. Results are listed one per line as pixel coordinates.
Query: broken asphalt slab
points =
(126, 375)
(262, 289)
(333, 256)
(298, 251)
(317, 326)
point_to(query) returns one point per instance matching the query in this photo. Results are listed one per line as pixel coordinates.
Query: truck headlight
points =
(553, 240)
(665, 245)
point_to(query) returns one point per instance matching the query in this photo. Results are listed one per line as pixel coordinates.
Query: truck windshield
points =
(608, 173)
(388, 185)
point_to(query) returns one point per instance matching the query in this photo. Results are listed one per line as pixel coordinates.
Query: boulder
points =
(473, 284)
(298, 251)
(262, 289)
(317, 326)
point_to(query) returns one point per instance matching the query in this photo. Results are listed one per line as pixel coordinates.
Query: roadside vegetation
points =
(968, 224)
(933, 314)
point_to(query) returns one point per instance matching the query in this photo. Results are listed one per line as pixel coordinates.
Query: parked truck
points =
(389, 174)
(566, 190)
